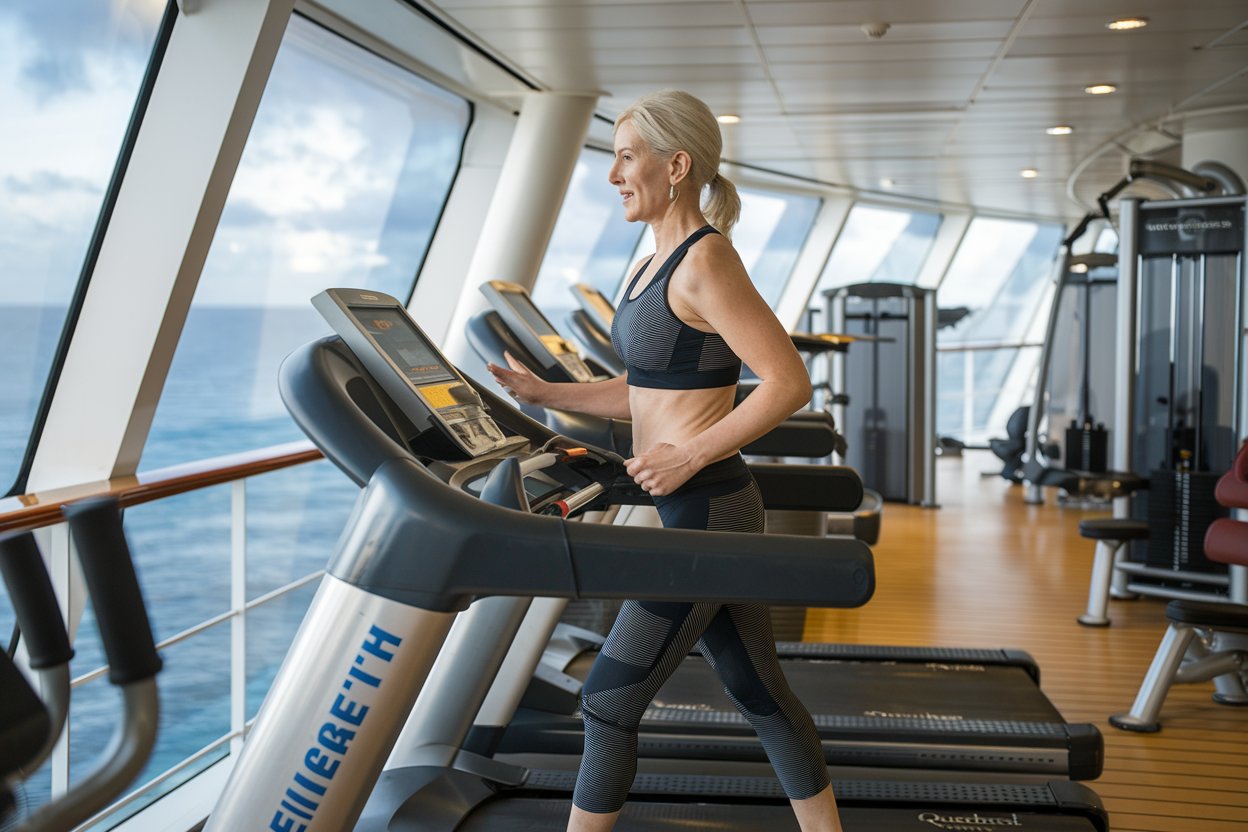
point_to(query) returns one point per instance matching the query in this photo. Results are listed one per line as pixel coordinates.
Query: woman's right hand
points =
(519, 383)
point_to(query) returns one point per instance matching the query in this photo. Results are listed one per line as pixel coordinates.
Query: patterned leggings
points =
(649, 640)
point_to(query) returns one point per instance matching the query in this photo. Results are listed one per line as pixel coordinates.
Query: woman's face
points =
(641, 177)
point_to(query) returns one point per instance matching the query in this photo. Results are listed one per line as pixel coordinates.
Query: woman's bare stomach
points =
(675, 416)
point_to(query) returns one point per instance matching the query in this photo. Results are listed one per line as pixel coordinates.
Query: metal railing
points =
(42, 510)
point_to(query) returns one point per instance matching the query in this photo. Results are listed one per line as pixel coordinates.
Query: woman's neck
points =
(675, 226)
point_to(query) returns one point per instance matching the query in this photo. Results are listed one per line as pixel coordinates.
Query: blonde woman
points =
(689, 317)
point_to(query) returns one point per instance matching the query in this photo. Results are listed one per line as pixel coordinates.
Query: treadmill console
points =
(416, 376)
(513, 304)
(596, 305)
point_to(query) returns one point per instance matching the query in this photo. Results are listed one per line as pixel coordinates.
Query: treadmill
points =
(913, 709)
(448, 519)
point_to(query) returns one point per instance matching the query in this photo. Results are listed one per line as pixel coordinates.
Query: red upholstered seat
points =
(1232, 490)
(1227, 540)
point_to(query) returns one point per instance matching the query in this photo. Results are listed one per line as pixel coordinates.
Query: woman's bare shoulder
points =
(713, 262)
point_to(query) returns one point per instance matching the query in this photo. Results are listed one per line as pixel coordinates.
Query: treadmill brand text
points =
(970, 823)
(333, 739)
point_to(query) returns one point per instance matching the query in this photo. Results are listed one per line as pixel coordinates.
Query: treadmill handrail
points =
(419, 541)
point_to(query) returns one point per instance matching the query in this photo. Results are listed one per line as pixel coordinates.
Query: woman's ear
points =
(679, 167)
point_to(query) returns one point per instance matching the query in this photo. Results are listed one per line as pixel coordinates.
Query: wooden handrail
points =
(33, 511)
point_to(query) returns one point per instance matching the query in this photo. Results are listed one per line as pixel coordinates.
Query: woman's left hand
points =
(662, 469)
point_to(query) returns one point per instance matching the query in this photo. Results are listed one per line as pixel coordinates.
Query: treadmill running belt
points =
(937, 693)
(546, 814)
(662, 803)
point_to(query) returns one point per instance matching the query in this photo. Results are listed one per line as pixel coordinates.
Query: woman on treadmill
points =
(688, 319)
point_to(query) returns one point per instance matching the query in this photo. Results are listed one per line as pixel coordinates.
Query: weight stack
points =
(1087, 448)
(1181, 507)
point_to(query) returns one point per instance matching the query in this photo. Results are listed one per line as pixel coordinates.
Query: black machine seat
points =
(1114, 529)
(1211, 614)
(1010, 449)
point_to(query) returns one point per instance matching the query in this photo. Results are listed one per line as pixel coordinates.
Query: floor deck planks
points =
(986, 570)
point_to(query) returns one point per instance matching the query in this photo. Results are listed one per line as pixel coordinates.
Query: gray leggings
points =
(649, 640)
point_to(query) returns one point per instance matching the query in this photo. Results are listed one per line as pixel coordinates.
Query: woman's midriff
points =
(676, 416)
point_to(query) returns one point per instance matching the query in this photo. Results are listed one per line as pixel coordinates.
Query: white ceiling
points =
(950, 104)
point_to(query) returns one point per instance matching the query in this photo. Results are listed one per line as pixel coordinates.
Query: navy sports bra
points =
(659, 349)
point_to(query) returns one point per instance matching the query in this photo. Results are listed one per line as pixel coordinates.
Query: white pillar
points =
(535, 175)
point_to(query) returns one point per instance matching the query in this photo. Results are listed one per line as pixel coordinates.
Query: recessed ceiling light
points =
(1100, 89)
(729, 118)
(1079, 268)
(1060, 130)
(1029, 173)
(887, 182)
(1124, 23)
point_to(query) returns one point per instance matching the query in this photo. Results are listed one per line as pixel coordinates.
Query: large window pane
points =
(1001, 276)
(592, 242)
(977, 390)
(341, 184)
(69, 75)
(770, 235)
(877, 245)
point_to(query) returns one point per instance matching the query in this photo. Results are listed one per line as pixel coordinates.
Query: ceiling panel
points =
(640, 56)
(899, 33)
(870, 54)
(1146, 44)
(857, 12)
(831, 76)
(929, 104)
(509, 40)
(579, 17)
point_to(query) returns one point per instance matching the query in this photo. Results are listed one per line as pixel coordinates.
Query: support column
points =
(534, 178)
(1217, 139)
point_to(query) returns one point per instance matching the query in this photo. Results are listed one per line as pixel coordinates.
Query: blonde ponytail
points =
(723, 205)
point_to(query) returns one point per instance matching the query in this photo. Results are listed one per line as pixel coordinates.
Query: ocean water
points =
(221, 398)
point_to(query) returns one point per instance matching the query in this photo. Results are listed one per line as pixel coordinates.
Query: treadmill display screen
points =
(604, 308)
(529, 313)
(403, 344)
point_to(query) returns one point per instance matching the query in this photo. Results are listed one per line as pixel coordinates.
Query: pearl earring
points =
(672, 193)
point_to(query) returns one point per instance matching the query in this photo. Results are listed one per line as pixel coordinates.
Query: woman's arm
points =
(597, 398)
(712, 292)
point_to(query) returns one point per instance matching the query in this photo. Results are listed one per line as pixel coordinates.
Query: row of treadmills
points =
(432, 687)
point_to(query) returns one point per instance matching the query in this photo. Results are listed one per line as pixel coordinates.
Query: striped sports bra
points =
(659, 349)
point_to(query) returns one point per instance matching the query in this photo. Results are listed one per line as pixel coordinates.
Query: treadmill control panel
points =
(596, 305)
(513, 304)
(407, 365)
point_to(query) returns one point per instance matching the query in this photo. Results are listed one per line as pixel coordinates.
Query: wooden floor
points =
(985, 570)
